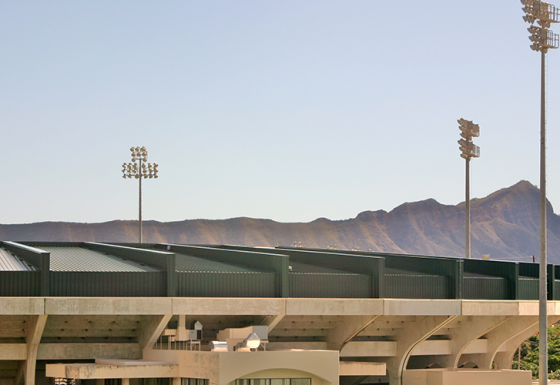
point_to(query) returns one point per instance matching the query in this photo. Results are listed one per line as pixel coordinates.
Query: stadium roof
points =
(82, 259)
(159, 270)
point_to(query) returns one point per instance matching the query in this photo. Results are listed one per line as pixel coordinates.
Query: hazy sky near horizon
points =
(288, 110)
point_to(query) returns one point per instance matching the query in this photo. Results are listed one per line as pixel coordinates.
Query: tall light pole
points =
(469, 150)
(543, 39)
(139, 170)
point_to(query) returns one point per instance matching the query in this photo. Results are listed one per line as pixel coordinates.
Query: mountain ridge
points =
(505, 224)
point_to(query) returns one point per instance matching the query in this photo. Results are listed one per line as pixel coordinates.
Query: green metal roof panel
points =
(9, 262)
(393, 271)
(468, 274)
(299, 267)
(80, 259)
(186, 263)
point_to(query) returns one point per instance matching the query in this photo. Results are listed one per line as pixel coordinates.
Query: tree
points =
(530, 354)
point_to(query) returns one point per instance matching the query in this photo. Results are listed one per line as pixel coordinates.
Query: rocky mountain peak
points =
(505, 224)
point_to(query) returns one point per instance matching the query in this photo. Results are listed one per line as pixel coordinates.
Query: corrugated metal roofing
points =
(185, 263)
(467, 274)
(298, 267)
(80, 259)
(393, 271)
(8, 262)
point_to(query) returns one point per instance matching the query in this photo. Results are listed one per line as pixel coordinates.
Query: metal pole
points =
(467, 212)
(543, 324)
(140, 200)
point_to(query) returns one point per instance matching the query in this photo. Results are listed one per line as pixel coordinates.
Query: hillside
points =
(505, 225)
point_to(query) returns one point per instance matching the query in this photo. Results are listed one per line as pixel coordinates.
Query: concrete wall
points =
(223, 367)
(287, 373)
(322, 364)
(466, 377)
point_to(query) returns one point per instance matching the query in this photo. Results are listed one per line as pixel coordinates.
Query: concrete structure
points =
(311, 341)
(354, 338)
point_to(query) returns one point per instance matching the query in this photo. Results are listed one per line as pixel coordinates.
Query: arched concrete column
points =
(511, 328)
(345, 331)
(504, 358)
(467, 330)
(408, 338)
(32, 339)
(152, 328)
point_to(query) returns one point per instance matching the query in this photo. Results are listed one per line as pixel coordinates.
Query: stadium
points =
(158, 314)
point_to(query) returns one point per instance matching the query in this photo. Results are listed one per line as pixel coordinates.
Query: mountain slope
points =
(505, 225)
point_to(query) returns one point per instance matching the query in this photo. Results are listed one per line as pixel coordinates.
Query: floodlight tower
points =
(468, 150)
(543, 39)
(139, 170)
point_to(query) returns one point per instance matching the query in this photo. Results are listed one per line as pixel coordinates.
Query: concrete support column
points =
(126, 381)
(351, 327)
(408, 338)
(177, 381)
(501, 358)
(272, 320)
(467, 330)
(152, 329)
(522, 327)
(33, 338)
(504, 359)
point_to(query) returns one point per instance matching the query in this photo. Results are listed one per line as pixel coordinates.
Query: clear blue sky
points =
(288, 110)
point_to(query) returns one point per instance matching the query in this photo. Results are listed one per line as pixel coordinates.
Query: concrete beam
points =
(11, 352)
(93, 371)
(228, 306)
(92, 322)
(107, 306)
(88, 351)
(267, 306)
(292, 324)
(279, 332)
(369, 349)
(317, 345)
(426, 348)
(22, 306)
(354, 368)
(432, 347)
(421, 307)
(334, 306)
(506, 308)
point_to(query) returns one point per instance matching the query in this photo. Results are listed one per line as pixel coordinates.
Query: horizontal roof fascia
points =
(268, 306)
